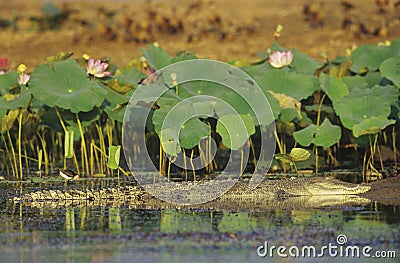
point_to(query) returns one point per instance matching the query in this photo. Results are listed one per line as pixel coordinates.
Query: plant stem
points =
(83, 145)
(19, 144)
(317, 124)
(394, 145)
(191, 162)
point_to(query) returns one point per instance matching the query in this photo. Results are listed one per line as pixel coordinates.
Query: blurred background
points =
(31, 30)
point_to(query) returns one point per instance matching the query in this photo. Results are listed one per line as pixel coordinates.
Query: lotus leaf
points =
(114, 153)
(296, 155)
(20, 101)
(192, 132)
(49, 119)
(298, 86)
(358, 106)
(325, 135)
(182, 56)
(3, 107)
(303, 63)
(334, 87)
(170, 141)
(8, 120)
(125, 80)
(182, 118)
(110, 105)
(390, 69)
(65, 84)
(156, 56)
(371, 125)
(7, 81)
(366, 81)
(287, 102)
(305, 136)
(370, 57)
(316, 107)
(288, 115)
(235, 130)
(69, 144)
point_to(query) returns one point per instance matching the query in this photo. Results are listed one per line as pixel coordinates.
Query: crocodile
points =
(277, 194)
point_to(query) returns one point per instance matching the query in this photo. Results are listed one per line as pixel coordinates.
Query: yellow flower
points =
(21, 68)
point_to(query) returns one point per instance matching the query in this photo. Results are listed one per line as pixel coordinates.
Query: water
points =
(50, 233)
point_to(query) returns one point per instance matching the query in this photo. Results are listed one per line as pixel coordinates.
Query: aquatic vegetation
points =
(97, 68)
(70, 103)
(280, 59)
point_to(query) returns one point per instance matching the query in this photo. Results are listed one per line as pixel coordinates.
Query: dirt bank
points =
(218, 29)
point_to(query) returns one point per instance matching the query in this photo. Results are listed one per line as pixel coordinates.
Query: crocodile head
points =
(330, 186)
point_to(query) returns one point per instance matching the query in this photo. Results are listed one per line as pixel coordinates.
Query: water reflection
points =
(109, 234)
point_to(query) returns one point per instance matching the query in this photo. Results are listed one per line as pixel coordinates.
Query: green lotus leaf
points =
(333, 86)
(182, 56)
(370, 57)
(86, 118)
(170, 141)
(69, 144)
(49, 119)
(303, 63)
(235, 130)
(114, 153)
(296, 155)
(315, 108)
(130, 76)
(390, 69)
(8, 120)
(288, 115)
(298, 86)
(21, 101)
(65, 84)
(7, 81)
(366, 81)
(363, 104)
(305, 136)
(192, 132)
(327, 134)
(299, 154)
(182, 112)
(112, 102)
(3, 107)
(156, 56)
(372, 125)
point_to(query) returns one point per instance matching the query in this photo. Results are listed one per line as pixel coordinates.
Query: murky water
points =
(120, 234)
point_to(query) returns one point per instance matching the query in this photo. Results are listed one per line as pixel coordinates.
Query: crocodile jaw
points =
(331, 186)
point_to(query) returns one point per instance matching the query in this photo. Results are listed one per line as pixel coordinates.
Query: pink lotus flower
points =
(280, 59)
(97, 69)
(3, 63)
(23, 79)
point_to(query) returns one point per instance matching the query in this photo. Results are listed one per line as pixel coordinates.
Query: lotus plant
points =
(97, 68)
(280, 59)
(23, 78)
(3, 65)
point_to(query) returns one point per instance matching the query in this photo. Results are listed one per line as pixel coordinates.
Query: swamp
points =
(200, 130)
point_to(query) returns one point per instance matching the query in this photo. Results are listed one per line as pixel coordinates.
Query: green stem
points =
(83, 145)
(19, 144)
(317, 124)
